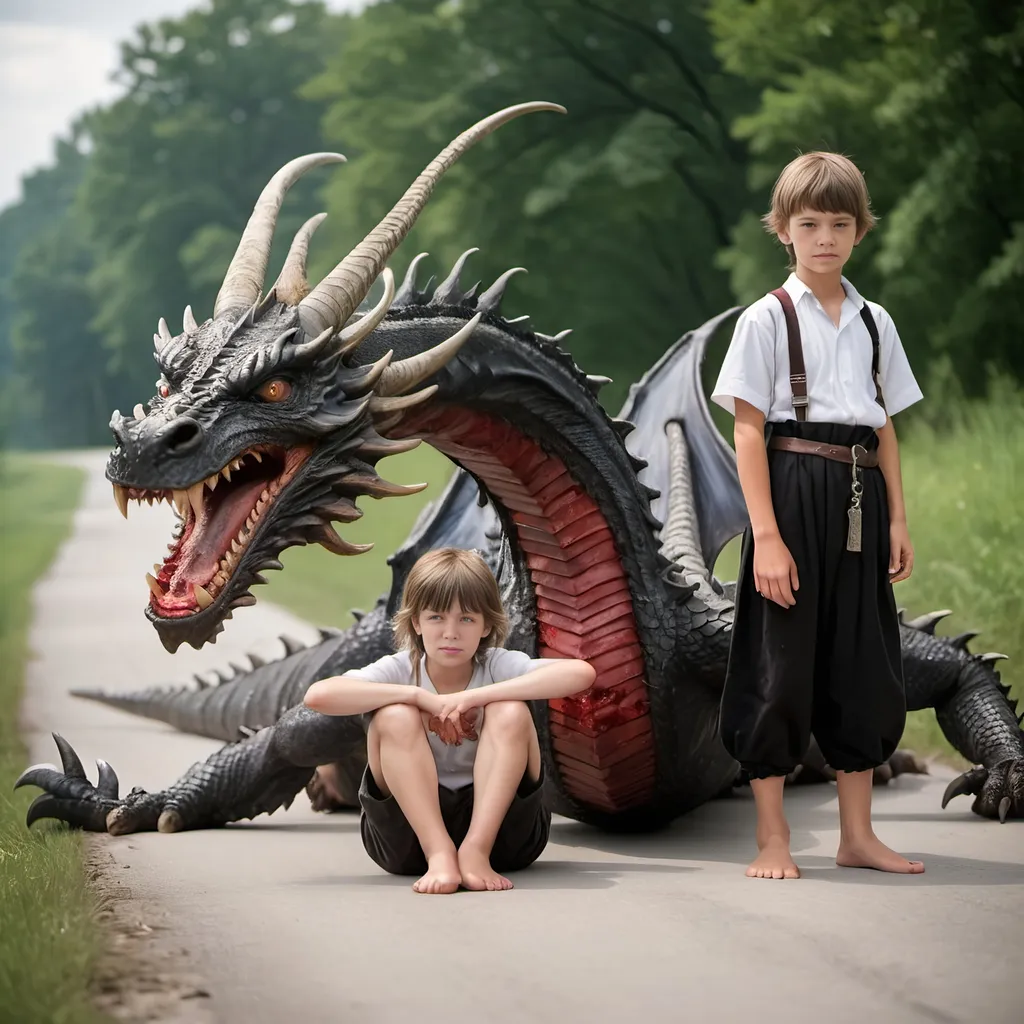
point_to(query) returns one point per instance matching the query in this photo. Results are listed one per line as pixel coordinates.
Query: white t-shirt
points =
(840, 388)
(454, 763)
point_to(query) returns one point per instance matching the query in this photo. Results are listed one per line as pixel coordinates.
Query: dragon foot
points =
(323, 790)
(998, 791)
(70, 797)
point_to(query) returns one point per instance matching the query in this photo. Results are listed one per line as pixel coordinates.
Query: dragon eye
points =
(164, 390)
(274, 390)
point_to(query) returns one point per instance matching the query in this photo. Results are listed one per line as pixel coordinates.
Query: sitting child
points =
(453, 784)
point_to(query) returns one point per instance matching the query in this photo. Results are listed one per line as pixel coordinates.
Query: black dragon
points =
(267, 425)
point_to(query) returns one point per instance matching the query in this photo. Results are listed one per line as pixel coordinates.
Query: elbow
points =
(583, 677)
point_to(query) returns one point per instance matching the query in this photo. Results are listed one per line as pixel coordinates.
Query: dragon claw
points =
(998, 791)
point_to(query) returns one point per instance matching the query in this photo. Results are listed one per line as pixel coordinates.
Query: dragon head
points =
(264, 430)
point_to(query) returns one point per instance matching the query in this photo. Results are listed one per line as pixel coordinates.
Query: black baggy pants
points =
(831, 664)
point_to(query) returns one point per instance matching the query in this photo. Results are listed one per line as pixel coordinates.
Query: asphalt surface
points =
(286, 918)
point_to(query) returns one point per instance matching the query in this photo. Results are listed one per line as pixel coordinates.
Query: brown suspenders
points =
(797, 371)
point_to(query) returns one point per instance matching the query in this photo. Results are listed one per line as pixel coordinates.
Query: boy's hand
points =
(901, 552)
(775, 574)
(463, 711)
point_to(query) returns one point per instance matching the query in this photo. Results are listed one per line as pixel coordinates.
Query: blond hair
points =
(436, 581)
(829, 182)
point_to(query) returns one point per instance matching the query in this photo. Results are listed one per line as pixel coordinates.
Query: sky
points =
(56, 59)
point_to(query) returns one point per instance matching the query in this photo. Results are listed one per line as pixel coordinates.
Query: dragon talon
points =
(170, 821)
(1004, 809)
(68, 758)
(108, 784)
(967, 784)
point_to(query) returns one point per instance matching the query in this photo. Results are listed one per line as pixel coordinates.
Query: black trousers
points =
(831, 664)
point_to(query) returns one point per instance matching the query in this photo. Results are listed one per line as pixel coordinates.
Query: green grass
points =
(49, 938)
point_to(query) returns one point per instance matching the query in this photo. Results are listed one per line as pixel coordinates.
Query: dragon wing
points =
(672, 391)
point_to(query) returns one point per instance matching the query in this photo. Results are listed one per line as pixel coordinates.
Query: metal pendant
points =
(853, 534)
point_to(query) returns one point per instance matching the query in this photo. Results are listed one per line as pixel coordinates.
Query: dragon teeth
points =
(202, 596)
(256, 456)
(138, 412)
(212, 480)
(226, 473)
(181, 502)
(121, 499)
(195, 498)
(154, 585)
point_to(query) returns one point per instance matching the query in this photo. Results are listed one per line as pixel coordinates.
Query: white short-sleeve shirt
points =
(840, 388)
(454, 763)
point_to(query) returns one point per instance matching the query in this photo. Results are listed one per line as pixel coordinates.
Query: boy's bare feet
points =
(774, 860)
(442, 875)
(477, 873)
(871, 852)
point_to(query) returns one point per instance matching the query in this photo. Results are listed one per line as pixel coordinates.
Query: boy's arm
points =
(561, 679)
(775, 575)
(349, 695)
(901, 554)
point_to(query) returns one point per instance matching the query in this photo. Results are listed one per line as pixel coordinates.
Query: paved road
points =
(286, 919)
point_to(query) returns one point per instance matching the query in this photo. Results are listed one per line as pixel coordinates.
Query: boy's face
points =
(450, 638)
(822, 242)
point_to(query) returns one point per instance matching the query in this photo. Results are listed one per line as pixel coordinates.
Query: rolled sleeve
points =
(504, 664)
(899, 386)
(746, 371)
(392, 668)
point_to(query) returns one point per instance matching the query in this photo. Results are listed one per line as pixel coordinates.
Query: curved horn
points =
(244, 278)
(336, 297)
(291, 284)
(406, 373)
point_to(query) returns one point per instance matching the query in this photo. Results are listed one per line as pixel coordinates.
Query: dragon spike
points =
(291, 645)
(327, 537)
(961, 640)
(336, 297)
(399, 377)
(407, 294)
(257, 661)
(189, 324)
(291, 285)
(201, 683)
(386, 406)
(108, 784)
(245, 273)
(561, 335)
(382, 447)
(927, 623)
(343, 510)
(595, 383)
(447, 293)
(306, 349)
(68, 758)
(165, 332)
(490, 300)
(354, 335)
(376, 487)
(993, 656)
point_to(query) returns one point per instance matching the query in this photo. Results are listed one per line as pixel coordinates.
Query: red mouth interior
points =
(211, 539)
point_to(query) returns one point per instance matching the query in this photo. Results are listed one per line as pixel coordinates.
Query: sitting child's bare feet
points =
(442, 875)
(871, 852)
(774, 860)
(477, 873)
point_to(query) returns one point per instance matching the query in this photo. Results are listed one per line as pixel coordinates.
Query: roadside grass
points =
(49, 939)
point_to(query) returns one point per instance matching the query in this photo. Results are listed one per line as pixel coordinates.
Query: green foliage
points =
(616, 210)
(48, 939)
(928, 99)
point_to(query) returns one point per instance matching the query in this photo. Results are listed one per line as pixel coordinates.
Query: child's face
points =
(450, 638)
(822, 242)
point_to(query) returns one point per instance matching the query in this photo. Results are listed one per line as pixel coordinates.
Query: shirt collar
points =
(797, 290)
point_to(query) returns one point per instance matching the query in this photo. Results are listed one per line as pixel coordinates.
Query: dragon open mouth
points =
(218, 517)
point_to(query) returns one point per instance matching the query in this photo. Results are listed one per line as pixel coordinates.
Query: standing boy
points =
(816, 645)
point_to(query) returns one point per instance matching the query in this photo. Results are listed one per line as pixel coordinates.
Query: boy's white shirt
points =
(840, 388)
(454, 763)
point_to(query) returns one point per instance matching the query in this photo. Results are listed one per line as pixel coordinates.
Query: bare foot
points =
(774, 860)
(477, 873)
(442, 875)
(873, 853)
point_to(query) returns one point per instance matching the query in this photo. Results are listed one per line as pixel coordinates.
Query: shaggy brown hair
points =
(829, 182)
(439, 579)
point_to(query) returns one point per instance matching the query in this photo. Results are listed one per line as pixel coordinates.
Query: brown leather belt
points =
(841, 453)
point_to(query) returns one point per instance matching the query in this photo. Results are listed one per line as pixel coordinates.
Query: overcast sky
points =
(56, 58)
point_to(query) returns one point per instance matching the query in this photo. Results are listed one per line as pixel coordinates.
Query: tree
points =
(617, 210)
(928, 98)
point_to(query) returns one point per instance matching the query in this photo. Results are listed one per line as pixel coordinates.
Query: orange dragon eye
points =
(164, 390)
(274, 390)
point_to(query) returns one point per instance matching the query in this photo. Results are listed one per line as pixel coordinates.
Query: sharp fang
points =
(195, 499)
(181, 503)
(212, 481)
(121, 498)
(157, 567)
(203, 598)
(154, 586)
(226, 473)
(138, 412)
(235, 546)
(256, 456)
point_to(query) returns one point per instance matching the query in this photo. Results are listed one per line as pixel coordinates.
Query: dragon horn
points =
(244, 278)
(336, 297)
(291, 285)
(406, 373)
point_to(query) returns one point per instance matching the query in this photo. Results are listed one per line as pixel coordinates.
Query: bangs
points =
(827, 182)
(439, 591)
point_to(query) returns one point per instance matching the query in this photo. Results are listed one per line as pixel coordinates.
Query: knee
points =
(397, 720)
(511, 717)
